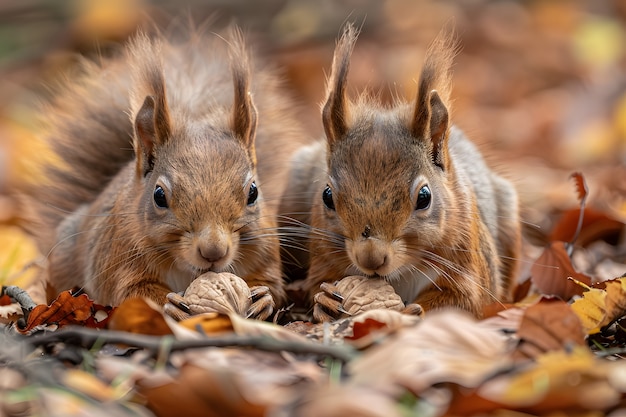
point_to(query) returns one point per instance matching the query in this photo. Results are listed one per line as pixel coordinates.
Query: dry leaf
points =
(551, 271)
(139, 315)
(568, 381)
(344, 400)
(596, 226)
(209, 323)
(599, 307)
(69, 309)
(548, 325)
(446, 346)
(201, 392)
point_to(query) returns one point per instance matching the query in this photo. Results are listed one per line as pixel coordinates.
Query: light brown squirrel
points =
(159, 181)
(399, 193)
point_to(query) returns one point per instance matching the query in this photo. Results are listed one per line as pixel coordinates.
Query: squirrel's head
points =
(388, 193)
(199, 193)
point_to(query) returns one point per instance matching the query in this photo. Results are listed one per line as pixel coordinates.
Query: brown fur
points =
(186, 105)
(462, 250)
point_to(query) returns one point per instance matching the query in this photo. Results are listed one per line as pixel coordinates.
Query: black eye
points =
(423, 198)
(327, 197)
(159, 197)
(253, 194)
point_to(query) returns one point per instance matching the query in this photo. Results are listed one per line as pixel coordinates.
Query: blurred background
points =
(539, 85)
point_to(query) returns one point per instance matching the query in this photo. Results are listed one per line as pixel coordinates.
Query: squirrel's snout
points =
(372, 256)
(213, 252)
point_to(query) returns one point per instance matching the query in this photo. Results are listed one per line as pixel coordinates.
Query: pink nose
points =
(212, 253)
(371, 260)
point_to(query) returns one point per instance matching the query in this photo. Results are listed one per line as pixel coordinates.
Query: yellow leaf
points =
(598, 308)
(18, 252)
(591, 309)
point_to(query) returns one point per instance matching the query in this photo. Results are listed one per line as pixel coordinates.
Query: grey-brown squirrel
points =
(400, 193)
(158, 180)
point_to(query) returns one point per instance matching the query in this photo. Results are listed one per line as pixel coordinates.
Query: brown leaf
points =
(581, 186)
(551, 271)
(344, 400)
(445, 346)
(365, 328)
(209, 323)
(199, 392)
(596, 225)
(5, 300)
(139, 315)
(548, 325)
(69, 309)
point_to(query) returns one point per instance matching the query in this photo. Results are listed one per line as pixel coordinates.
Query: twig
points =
(86, 338)
(21, 297)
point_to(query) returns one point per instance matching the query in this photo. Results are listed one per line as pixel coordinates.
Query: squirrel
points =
(401, 194)
(158, 180)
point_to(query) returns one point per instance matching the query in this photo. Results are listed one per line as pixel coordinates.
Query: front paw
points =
(353, 295)
(262, 303)
(222, 293)
(329, 303)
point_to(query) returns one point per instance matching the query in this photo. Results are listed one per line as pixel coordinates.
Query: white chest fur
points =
(411, 282)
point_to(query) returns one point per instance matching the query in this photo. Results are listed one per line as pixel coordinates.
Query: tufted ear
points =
(152, 119)
(151, 130)
(335, 114)
(430, 123)
(244, 114)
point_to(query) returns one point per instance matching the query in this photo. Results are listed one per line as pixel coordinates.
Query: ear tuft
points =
(335, 113)
(430, 121)
(244, 113)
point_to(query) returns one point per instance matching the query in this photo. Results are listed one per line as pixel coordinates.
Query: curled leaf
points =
(552, 270)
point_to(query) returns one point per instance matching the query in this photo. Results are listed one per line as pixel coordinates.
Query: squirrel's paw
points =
(413, 309)
(262, 303)
(353, 295)
(177, 307)
(222, 293)
(329, 304)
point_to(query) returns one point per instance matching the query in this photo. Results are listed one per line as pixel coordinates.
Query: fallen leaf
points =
(446, 346)
(209, 323)
(600, 307)
(560, 381)
(344, 400)
(139, 315)
(548, 325)
(69, 309)
(596, 225)
(551, 272)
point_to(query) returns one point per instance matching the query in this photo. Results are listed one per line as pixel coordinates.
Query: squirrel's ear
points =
(244, 113)
(151, 130)
(335, 113)
(431, 115)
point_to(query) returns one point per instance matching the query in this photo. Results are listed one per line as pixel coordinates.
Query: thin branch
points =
(86, 338)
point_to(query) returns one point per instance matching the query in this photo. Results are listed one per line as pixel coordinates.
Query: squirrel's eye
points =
(423, 198)
(327, 197)
(159, 197)
(253, 194)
